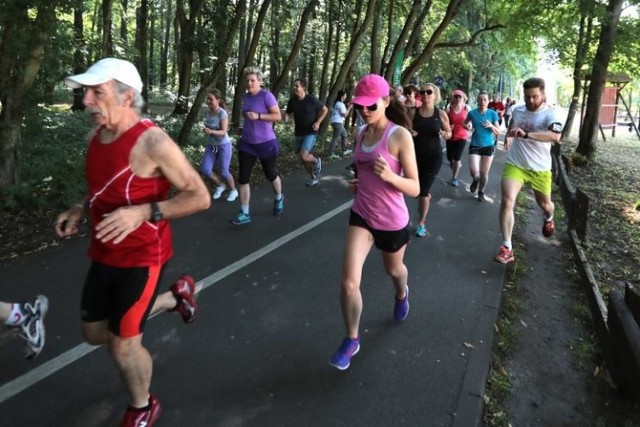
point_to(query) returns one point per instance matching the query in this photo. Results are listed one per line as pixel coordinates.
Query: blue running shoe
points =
(421, 230)
(342, 358)
(317, 168)
(278, 206)
(241, 219)
(401, 308)
(455, 182)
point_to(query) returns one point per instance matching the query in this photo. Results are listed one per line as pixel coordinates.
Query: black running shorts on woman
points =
(123, 296)
(386, 241)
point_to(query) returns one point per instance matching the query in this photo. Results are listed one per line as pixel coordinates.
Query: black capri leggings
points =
(246, 162)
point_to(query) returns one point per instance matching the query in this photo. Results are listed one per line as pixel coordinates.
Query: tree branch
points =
(472, 39)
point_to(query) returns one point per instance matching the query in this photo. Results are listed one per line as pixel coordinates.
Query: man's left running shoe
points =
(183, 290)
(142, 417)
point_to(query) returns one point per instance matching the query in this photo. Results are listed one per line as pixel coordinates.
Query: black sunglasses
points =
(428, 92)
(372, 107)
(457, 96)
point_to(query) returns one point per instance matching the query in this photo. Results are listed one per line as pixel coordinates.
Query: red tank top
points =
(111, 185)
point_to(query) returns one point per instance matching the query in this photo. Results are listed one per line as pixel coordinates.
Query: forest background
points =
(184, 48)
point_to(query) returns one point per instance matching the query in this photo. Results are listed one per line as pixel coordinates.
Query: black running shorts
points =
(122, 296)
(386, 241)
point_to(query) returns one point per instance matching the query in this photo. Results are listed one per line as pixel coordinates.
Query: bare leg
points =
(135, 365)
(510, 190)
(396, 268)
(356, 248)
(423, 208)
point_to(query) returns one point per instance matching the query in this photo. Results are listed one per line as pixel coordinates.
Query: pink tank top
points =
(458, 132)
(111, 185)
(379, 203)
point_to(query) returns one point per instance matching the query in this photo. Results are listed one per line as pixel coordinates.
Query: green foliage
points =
(53, 144)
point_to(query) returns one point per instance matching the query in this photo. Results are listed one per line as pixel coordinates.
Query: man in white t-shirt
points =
(533, 128)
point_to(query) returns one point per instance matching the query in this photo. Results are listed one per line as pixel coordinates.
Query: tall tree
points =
(584, 40)
(79, 60)
(589, 131)
(281, 79)
(24, 33)
(106, 46)
(142, 15)
(216, 73)
(187, 24)
(247, 60)
(416, 64)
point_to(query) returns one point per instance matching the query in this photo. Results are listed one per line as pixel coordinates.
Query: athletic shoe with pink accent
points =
(183, 290)
(548, 228)
(142, 417)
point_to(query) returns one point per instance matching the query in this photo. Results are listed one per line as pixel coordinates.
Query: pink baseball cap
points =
(369, 89)
(459, 92)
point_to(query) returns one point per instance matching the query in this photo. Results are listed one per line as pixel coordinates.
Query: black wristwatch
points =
(526, 135)
(156, 214)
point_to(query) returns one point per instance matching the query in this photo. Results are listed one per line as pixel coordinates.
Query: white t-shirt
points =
(527, 153)
(337, 112)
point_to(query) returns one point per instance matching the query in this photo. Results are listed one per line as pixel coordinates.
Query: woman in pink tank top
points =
(386, 167)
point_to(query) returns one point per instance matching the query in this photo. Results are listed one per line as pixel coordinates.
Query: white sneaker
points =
(218, 192)
(346, 152)
(233, 194)
(32, 330)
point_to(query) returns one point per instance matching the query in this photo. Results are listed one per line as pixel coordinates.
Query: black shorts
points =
(455, 148)
(122, 296)
(487, 151)
(246, 161)
(386, 241)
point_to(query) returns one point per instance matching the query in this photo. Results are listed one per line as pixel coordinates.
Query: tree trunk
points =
(589, 131)
(295, 49)
(584, 41)
(21, 69)
(142, 14)
(401, 42)
(350, 56)
(164, 52)
(248, 60)
(331, 26)
(79, 60)
(123, 21)
(185, 51)
(106, 45)
(218, 71)
(419, 62)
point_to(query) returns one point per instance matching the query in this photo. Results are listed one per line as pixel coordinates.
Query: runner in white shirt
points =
(534, 127)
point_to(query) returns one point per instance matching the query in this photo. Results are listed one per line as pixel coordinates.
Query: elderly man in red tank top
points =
(130, 166)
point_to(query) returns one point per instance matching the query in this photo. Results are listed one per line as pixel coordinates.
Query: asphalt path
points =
(269, 320)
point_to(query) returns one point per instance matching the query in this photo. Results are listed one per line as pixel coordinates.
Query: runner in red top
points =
(130, 166)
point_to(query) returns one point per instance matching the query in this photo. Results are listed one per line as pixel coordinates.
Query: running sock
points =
(507, 244)
(16, 317)
(279, 196)
(547, 219)
(244, 209)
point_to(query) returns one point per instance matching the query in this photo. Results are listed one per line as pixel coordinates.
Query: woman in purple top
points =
(258, 141)
(386, 164)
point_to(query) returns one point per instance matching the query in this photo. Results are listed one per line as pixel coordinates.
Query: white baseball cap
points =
(107, 69)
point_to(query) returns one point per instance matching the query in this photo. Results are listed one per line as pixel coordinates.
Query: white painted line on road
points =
(50, 367)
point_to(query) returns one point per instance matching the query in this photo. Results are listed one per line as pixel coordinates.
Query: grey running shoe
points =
(32, 330)
(317, 168)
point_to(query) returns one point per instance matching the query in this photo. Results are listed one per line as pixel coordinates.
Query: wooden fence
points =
(615, 324)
